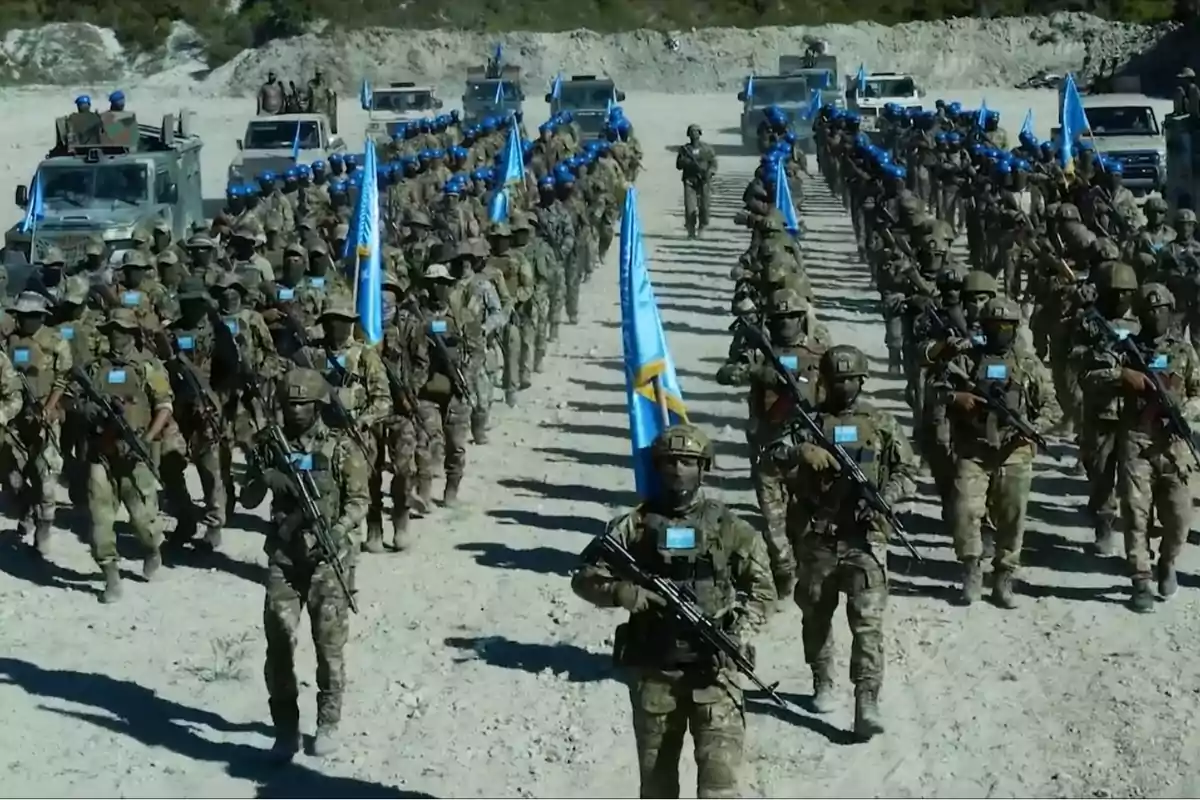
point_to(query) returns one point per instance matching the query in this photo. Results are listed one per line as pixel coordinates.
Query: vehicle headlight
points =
(1160, 156)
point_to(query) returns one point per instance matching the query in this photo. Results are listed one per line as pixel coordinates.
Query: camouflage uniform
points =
(42, 359)
(840, 548)
(674, 685)
(78, 325)
(558, 230)
(697, 164)
(995, 464)
(138, 385)
(299, 576)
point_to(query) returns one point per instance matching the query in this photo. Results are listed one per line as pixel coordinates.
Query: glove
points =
(961, 344)
(965, 401)
(1133, 380)
(817, 458)
(634, 598)
(276, 480)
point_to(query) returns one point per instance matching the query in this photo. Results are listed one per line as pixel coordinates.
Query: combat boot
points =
(285, 716)
(152, 563)
(895, 361)
(41, 538)
(212, 537)
(450, 496)
(823, 700)
(326, 742)
(1002, 589)
(510, 397)
(112, 583)
(1168, 583)
(1142, 600)
(479, 426)
(972, 588)
(422, 498)
(374, 542)
(1106, 538)
(400, 519)
(867, 723)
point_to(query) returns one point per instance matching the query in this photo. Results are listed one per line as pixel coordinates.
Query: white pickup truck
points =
(1124, 128)
(274, 143)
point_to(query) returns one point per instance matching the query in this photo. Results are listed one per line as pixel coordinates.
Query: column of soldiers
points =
(1075, 315)
(242, 339)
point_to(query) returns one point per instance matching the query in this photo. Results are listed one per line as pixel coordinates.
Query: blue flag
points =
(498, 205)
(1073, 120)
(1027, 125)
(296, 144)
(861, 78)
(814, 105)
(981, 117)
(652, 391)
(514, 157)
(783, 199)
(498, 53)
(556, 87)
(367, 249)
(750, 88)
(499, 93)
(364, 95)
(34, 211)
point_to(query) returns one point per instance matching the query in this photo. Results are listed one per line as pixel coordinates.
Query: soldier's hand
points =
(817, 458)
(1134, 380)
(634, 598)
(965, 401)
(961, 344)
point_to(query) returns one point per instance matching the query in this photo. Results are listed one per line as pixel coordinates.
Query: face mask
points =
(973, 304)
(120, 341)
(231, 301)
(786, 329)
(1000, 336)
(679, 481)
(318, 264)
(299, 417)
(1117, 303)
(441, 292)
(29, 324)
(338, 330)
(842, 392)
(1156, 322)
(192, 312)
(134, 277)
(202, 258)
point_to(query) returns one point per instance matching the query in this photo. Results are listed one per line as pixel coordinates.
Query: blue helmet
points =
(291, 173)
(351, 158)
(425, 155)
(954, 137)
(335, 158)
(338, 187)
(303, 171)
(117, 97)
(546, 182)
(83, 100)
(437, 152)
(266, 177)
(318, 165)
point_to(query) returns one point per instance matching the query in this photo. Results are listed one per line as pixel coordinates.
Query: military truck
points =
(816, 65)
(1124, 128)
(588, 98)
(789, 92)
(879, 89)
(106, 177)
(395, 104)
(492, 91)
(272, 144)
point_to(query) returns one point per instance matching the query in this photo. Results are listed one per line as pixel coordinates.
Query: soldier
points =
(270, 96)
(995, 463)
(769, 413)
(1152, 477)
(684, 535)
(42, 359)
(515, 287)
(300, 574)
(469, 263)
(697, 164)
(137, 385)
(79, 326)
(243, 255)
(134, 288)
(841, 543)
(1144, 249)
(452, 325)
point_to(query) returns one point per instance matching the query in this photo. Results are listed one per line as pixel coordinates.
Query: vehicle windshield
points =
(1122, 120)
(574, 98)
(792, 91)
(282, 134)
(81, 185)
(401, 101)
(890, 87)
(485, 91)
(819, 78)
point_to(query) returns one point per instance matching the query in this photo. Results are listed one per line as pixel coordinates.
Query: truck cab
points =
(106, 177)
(1125, 129)
(492, 91)
(394, 105)
(588, 98)
(272, 144)
(759, 92)
(879, 89)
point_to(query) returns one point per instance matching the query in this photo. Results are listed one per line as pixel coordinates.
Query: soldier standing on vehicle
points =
(694, 540)
(300, 575)
(270, 96)
(698, 164)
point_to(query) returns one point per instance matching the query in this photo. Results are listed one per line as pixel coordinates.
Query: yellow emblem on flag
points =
(364, 251)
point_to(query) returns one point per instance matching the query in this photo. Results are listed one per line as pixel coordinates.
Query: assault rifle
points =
(114, 417)
(993, 397)
(848, 466)
(682, 604)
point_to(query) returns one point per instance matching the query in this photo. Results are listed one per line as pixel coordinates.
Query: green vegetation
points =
(143, 24)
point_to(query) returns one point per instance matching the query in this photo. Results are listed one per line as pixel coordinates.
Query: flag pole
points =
(660, 399)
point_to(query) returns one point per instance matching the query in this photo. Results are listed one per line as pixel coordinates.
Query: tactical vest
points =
(197, 346)
(1164, 358)
(299, 544)
(342, 371)
(773, 403)
(998, 374)
(859, 435)
(123, 381)
(32, 357)
(78, 334)
(1106, 406)
(692, 553)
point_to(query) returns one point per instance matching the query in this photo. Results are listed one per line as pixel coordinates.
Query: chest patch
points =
(845, 434)
(681, 538)
(337, 361)
(285, 293)
(996, 372)
(21, 355)
(437, 326)
(185, 342)
(67, 332)
(130, 298)
(1159, 362)
(116, 376)
(302, 461)
(791, 362)
(316, 283)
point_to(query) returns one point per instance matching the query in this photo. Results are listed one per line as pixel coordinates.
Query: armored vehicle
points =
(397, 103)
(788, 92)
(106, 177)
(588, 98)
(274, 143)
(492, 91)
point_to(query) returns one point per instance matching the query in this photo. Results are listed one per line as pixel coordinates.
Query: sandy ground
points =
(475, 671)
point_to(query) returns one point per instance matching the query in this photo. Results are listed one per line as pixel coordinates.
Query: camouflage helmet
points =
(75, 290)
(1185, 215)
(499, 230)
(392, 281)
(30, 303)
(167, 257)
(743, 304)
(94, 247)
(200, 241)
(787, 302)
(1155, 295)
(1105, 249)
(140, 236)
(337, 307)
(318, 245)
(1001, 309)
(1157, 203)
(844, 361)
(519, 221)
(193, 288)
(1117, 276)
(244, 231)
(1068, 212)
(295, 248)
(775, 272)
(979, 282)
(53, 255)
(136, 259)
(438, 272)
(694, 128)
(121, 318)
(161, 226)
(229, 280)
(300, 385)
(683, 440)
